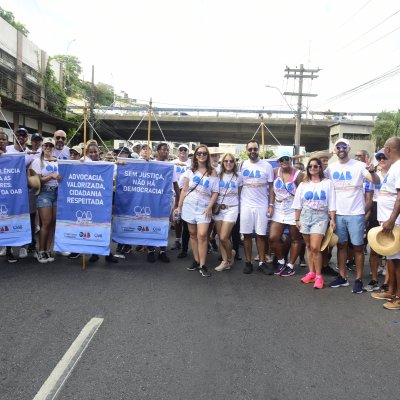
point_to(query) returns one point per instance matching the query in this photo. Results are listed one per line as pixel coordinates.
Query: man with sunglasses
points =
(258, 177)
(61, 151)
(348, 177)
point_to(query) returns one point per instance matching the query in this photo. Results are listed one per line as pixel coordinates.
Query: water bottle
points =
(176, 215)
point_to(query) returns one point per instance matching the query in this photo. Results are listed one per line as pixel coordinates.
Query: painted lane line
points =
(65, 366)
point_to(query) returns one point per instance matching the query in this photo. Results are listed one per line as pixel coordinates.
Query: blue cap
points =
(284, 153)
(379, 153)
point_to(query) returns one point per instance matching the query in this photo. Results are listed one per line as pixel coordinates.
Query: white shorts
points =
(193, 212)
(253, 219)
(228, 215)
(286, 216)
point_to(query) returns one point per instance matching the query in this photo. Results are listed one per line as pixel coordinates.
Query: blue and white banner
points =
(143, 203)
(84, 207)
(15, 223)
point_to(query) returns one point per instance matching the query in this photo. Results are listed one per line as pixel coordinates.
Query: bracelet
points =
(297, 220)
(271, 205)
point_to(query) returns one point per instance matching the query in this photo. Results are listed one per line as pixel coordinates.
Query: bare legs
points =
(199, 241)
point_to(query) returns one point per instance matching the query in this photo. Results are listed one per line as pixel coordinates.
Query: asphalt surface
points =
(171, 334)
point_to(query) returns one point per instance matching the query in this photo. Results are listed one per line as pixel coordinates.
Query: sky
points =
(222, 53)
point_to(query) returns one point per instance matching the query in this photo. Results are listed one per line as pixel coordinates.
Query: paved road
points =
(171, 334)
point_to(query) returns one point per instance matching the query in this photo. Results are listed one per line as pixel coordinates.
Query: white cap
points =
(184, 146)
(341, 140)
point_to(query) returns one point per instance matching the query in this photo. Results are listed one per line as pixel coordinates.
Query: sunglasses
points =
(313, 166)
(229, 161)
(61, 138)
(47, 145)
(250, 149)
(201, 153)
(183, 149)
(343, 147)
(284, 159)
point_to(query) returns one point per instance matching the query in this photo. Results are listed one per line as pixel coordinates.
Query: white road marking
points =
(65, 366)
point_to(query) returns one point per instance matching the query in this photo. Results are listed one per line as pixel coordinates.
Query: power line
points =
(369, 30)
(377, 40)
(355, 14)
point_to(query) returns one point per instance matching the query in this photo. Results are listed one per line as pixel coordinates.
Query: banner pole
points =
(149, 130)
(84, 159)
(262, 135)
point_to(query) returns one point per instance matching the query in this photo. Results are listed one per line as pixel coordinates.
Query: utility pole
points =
(92, 106)
(300, 73)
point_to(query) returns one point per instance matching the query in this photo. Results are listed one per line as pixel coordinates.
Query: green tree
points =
(386, 126)
(103, 94)
(9, 17)
(72, 70)
(55, 95)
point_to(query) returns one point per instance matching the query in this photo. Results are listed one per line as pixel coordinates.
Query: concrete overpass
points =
(214, 129)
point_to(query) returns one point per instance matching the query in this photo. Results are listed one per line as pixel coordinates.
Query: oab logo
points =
(252, 174)
(142, 212)
(4, 228)
(3, 210)
(84, 235)
(83, 217)
(143, 228)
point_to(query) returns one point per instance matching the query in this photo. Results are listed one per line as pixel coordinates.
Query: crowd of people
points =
(288, 210)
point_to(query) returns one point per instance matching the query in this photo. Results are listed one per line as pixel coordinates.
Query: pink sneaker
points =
(309, 278)
(319, 282)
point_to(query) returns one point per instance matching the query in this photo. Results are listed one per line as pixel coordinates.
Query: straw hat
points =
(385, 244)
(327, 238)
(321, 154)
(34, 183)
(214, 150)
(334, 240)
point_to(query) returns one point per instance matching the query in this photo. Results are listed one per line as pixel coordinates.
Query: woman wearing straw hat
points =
(315, 208)
(199, 193)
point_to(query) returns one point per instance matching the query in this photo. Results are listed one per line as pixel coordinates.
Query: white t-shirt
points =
(319, 196)
(348, 181)
(28, 157)
(255, 179)
(204, 187)
(180, 170)
(229, 187)
(377, 187)
(388, 193)
(48, 168)
(62, 154)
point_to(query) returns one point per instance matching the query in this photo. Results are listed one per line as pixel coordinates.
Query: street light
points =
(283, 97)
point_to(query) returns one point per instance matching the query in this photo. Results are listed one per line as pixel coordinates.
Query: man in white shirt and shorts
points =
(348, 177)
(257, 177)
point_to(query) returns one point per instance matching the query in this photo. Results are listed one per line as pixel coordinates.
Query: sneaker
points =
(381, 271)
(163, 257)
(339, 282)
(151, 257)
(287, 271)
(319, 282)
(279, 268)
(392, 305)
(73, 256)
(382, 296)
(49, 256)
(94, 258)
(214, 245)
(182, 254)
(41, 256)
(328, 270)
(263, 268)
(350, 265)
(248, 268)
(372, 286)
(194, 267)
(309, 278)
(3, 251)
(222, 266)
(268, 259)
(358, 286)
(118, 254)
(303, 263)
(111, 259)
(257, 258)
(204, 272)
(11, 258)
(176, 246)
(384, 287)
(23, 253)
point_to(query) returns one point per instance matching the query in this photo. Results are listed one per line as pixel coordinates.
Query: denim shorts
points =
(47, 197)
(350, 227)
(313, 222)
(193, 212)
